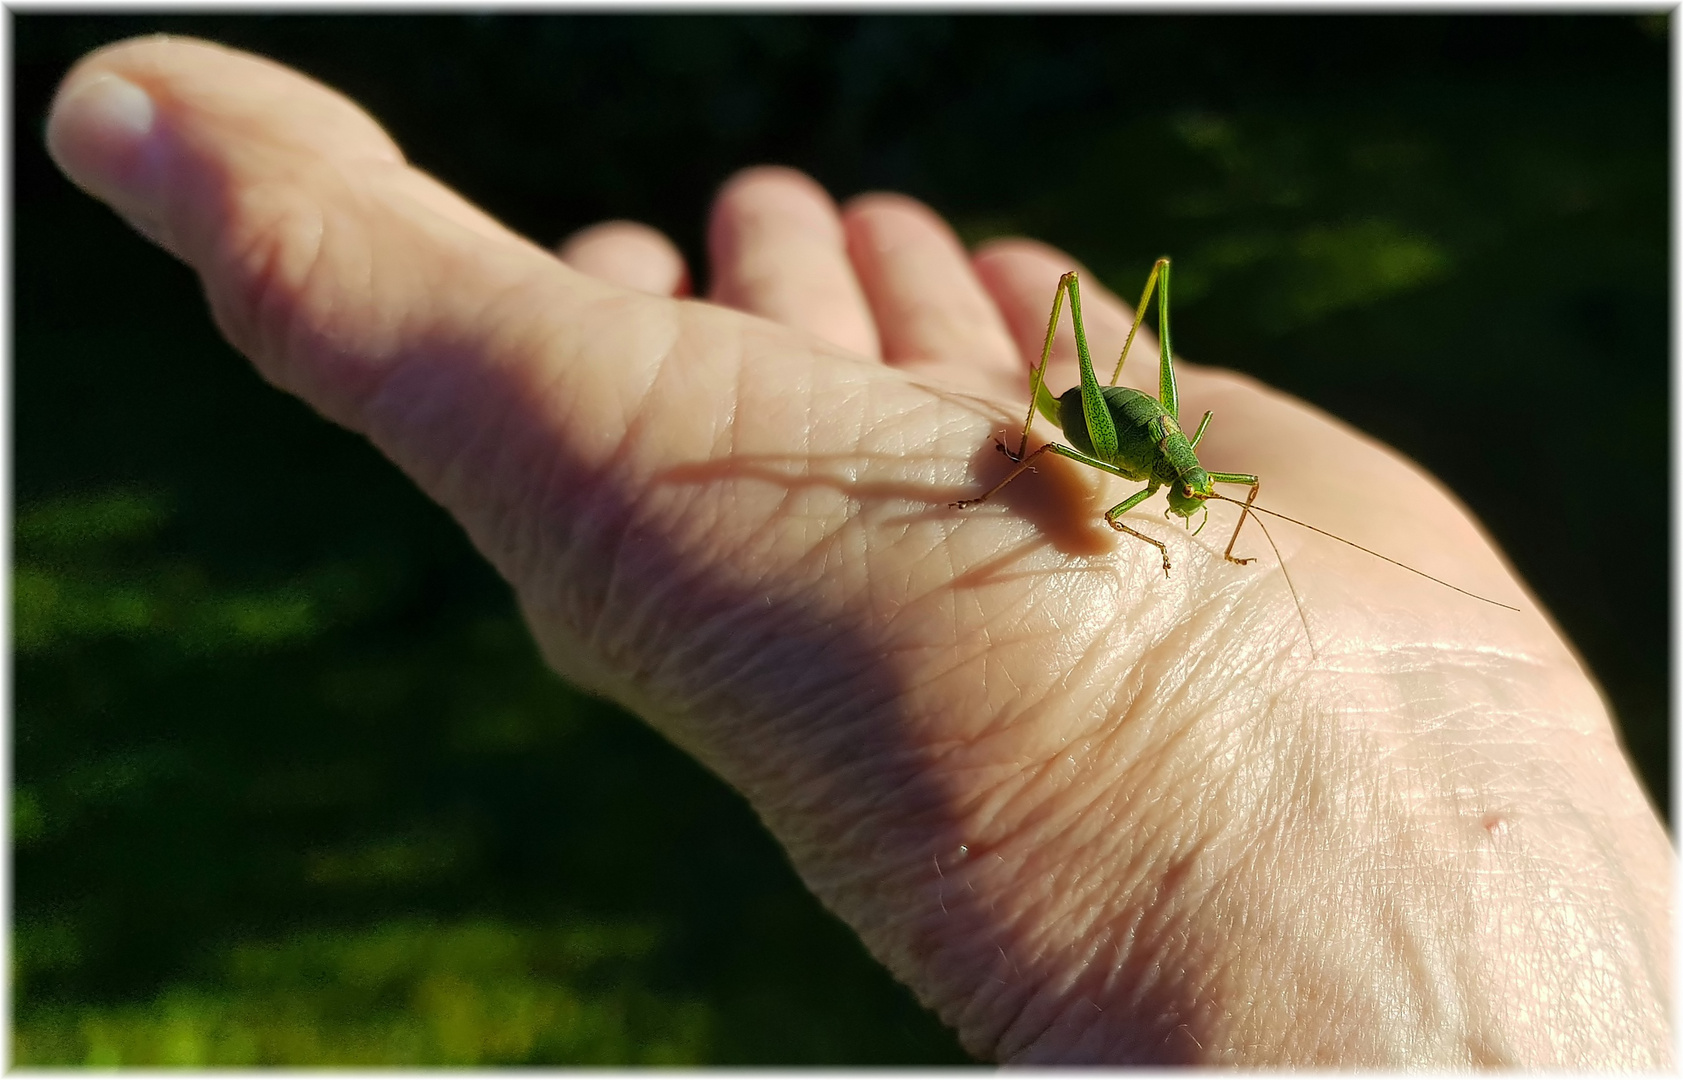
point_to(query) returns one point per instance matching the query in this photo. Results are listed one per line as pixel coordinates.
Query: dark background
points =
(291, 785)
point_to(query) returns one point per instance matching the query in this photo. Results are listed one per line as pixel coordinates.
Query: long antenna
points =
(1334, 536)
(1289, 586)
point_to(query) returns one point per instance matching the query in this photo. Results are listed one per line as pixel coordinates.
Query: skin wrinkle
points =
(1125, 712)
(990, 680)
(1622, 942)
(1000, 994)
(300, 321)
(734, 666)
(1086, 927)
(1097, 652)
(584, 608)
(254, 302)
(518, 553)
(1002, 741)
(996, 978)
(835, 892)
(1193, 974)
(820, 708)
(994, 672)
(979, 975)
(1249, 852)
(993, 981)
(521, 535)
(1473, 976)
(1226, 1027)
(818, 551)
(1222, 901)
(278, 321)
(698, 650)
(1095, 942)
(1102, 644)
(872, 835)
(950, 417)
(534, 386)
(596, 639)
(1402, 862)
(816, 555)
(1222, 670)
(732, 663)
(1002, 803)
(428, 367)
(876, 840)
(638, 421)
(568, 600)
(1029, 782)
(1460, 654)
(1092, 978)
(934, 679)
(1438, 1008)
(749, 547)
(1312, 991)
(937, 547)
(645, 617)
(841, 549)
(559, 483)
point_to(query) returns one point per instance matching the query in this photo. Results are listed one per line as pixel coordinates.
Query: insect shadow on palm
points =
(1129, 433)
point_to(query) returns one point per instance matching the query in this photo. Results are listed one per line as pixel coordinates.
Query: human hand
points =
(1087, 813)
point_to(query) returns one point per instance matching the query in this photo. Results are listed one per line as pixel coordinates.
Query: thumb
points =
(326, 258)
(359, 283)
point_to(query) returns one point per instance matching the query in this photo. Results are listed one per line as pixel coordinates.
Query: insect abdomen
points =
(1132, 412)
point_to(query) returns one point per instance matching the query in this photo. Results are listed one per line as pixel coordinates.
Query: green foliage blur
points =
(291, 785)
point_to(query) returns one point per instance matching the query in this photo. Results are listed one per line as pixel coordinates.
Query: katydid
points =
(1128, 433)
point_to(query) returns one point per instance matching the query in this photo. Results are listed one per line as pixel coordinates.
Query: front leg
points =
(1244, 510)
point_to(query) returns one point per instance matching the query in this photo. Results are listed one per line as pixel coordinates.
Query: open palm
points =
(1087, 812)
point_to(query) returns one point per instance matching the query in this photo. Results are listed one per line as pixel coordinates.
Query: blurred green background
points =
(290, 783)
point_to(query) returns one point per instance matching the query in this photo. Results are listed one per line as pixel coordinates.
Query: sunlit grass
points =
(84, 572)
(470, 993)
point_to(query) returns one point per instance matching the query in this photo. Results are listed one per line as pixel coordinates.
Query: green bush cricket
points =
(1129, 433)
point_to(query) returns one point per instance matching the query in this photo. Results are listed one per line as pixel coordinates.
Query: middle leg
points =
(1113, 515)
